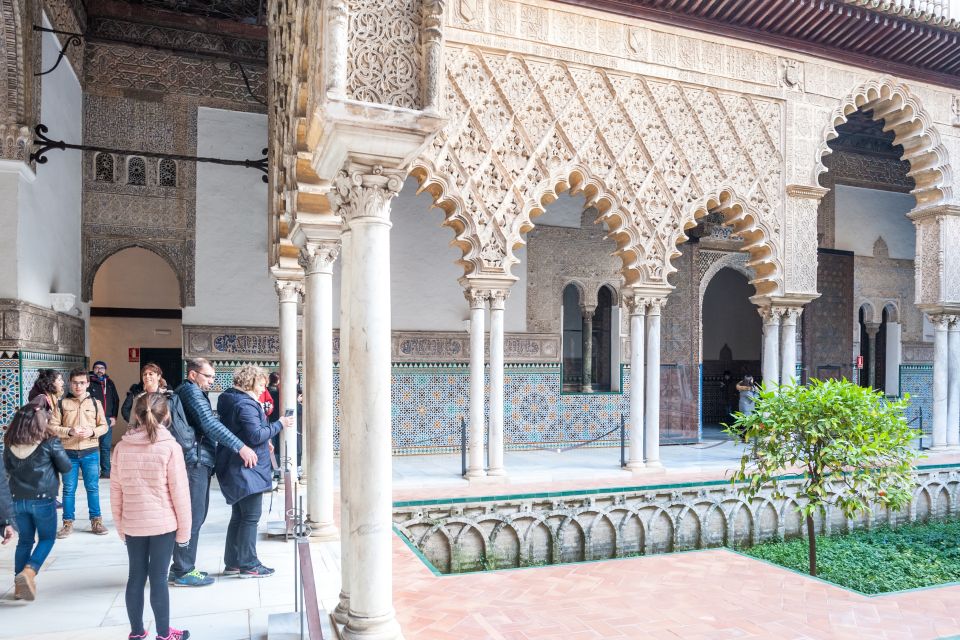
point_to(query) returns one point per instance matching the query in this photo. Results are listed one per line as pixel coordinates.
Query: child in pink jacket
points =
(150, 499)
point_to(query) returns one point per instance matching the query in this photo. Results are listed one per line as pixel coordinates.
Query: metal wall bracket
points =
(75, 39)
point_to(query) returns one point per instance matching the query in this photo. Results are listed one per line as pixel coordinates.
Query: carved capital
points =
(654, 305)
(772, 314)
(365, 192)
(872, 328)
(790, 315)
(287, 290)
(498, 299)
(318, 257)
(636, 306)
(477, 298)
(941, 321)
(953, 323)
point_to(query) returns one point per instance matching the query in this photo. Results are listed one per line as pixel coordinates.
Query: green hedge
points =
(878, 561)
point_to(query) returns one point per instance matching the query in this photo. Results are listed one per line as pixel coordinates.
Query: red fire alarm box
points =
(859, 362)
(133, 354)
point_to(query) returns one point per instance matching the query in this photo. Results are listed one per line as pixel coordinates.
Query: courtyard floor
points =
(706, 594)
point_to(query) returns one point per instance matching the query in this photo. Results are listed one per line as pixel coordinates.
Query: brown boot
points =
(25, 585)
(66, 529)
(96, 526)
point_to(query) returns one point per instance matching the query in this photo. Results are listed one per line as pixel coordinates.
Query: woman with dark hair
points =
(49, 384)
(151, 381)
(150, 498)
(33, 458)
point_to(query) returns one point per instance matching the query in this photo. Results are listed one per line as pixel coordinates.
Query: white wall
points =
(48, 235)
(233, 285)
(862, 215)
(730, 318)
(136, 278)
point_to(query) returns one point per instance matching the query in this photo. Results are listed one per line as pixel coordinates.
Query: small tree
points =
(852, 445)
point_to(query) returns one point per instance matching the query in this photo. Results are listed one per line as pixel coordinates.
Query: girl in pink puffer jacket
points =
(150, 499)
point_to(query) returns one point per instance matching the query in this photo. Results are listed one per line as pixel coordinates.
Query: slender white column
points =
(953, 387)
(873, 328)
(586, 379)
(317, 260)
(366, 206)
(771, 345)
(637, 308)
(893, 359)
(941, 378)
(342, 611)
(788, 349)
(287, 291)
(495, 438)
(651, 439)
(304, 426)
(478, 304)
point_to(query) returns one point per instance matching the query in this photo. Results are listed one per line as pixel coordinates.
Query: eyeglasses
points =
(207, 375)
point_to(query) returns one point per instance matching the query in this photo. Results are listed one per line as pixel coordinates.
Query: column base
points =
(342, 612)
(475, 473)
(939, 448)
(497, 473)
(653, 464)
(323, 531)
(383, 627)
(635, 465)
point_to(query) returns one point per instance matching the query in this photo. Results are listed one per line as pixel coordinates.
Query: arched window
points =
(103, 165)
(137, 171)
(168, 173)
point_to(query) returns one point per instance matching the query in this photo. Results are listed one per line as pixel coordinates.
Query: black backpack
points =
(182, 432)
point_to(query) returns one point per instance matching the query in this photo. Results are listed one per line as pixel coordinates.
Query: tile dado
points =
(258, 343)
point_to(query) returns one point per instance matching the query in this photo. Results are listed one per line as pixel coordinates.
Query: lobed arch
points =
(901, 112)
(94, 256)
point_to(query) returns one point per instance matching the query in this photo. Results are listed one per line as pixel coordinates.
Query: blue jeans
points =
(106, 442)
(35, 519)
(89, 465)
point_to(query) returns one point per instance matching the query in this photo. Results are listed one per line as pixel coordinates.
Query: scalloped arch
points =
(900, 111)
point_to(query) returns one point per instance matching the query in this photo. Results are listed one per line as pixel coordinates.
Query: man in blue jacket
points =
(210, 433)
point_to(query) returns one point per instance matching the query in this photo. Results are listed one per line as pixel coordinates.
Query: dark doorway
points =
(169, 360)
(602, 340)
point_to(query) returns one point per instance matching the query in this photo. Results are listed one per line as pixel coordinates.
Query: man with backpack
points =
(80, 422)
(209, 432)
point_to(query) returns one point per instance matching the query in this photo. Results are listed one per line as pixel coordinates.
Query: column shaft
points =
(288, 369)
(941, 357)
(478, 303)
(586, 384)
(495, 437)
(651, 440)
(342, 610)
(637, 327)
(771, 345)
(953, 386)
(788, 350)
(318, 386)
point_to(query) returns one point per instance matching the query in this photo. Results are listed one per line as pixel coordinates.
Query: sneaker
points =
(65, 530)
(135, 636)
(193, 579)
(231, 571)
(172, 577)
(96, 526)
(174, 634)
(258, 571)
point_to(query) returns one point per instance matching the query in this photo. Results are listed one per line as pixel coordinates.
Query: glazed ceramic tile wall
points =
(917, 380)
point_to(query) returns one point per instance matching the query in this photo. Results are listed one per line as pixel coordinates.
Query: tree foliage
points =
(852, 446)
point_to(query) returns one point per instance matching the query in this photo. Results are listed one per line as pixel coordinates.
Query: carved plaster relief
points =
(25, 326)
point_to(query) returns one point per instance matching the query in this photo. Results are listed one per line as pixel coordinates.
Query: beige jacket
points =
(86, 412)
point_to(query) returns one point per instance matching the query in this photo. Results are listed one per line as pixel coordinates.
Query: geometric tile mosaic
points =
(917, 380)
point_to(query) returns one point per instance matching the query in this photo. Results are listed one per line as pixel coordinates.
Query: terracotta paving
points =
(703, 595)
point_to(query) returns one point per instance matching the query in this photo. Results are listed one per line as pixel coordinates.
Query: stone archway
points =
(97, 251)
(521, 129)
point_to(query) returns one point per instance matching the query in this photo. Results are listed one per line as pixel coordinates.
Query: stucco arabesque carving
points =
(650, 155)
(20, 89)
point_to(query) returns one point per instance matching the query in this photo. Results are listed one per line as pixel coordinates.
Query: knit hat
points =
(100, 362)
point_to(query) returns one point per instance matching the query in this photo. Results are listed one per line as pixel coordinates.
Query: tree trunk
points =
(812, 545)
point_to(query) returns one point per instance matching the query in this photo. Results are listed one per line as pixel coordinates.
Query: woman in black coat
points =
(243, 487)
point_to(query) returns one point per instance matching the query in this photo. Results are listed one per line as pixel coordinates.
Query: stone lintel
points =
(933, 212)
(487, 282)
(794, 300)
(319, 229)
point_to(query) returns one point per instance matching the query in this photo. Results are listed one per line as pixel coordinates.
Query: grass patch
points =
(878, 561)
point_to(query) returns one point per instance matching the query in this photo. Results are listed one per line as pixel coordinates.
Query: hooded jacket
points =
(34, 470)
(87, 412)
(245, 418)
(149, 490)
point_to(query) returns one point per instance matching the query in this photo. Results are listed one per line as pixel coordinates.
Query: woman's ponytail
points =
(152, 412)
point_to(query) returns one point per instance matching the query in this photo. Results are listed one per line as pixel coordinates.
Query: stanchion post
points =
(623, 442)
(463, 446)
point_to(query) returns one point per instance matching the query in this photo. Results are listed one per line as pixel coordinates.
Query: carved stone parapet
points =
(26, 326)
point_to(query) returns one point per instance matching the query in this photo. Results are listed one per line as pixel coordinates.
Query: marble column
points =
(872, 329)
(651, 436)
(366, 207)
(342, 610)
(788, 347)
(586, 383)
(495, 438)
(953, 382)
(478, 306)
(287, 291)
(317, 260)
(637, 308)
(771, 345)
(941, 379)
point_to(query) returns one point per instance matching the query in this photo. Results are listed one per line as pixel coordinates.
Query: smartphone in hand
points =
(288, 412)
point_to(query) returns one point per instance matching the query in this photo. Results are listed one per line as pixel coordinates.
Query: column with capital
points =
(498, 299)
(478, 305)
(953, 382)
(363, 197)
(317, 260)
(788, 350)
(288, 293)
(873, 328)
(586, 384)
(941, 379)
(342, 611)
(651, 436)
(770, 367)
(637, 307)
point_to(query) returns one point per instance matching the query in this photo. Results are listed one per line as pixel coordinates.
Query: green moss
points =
(878, 561)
